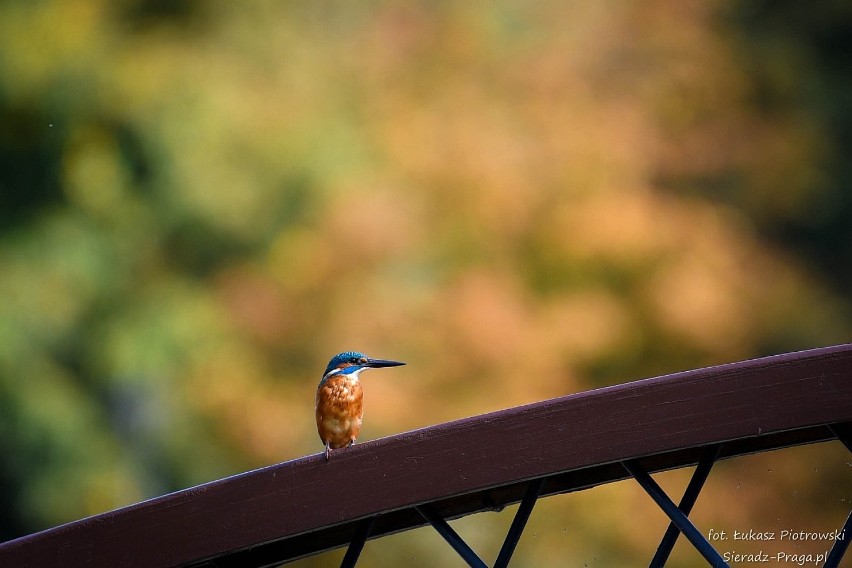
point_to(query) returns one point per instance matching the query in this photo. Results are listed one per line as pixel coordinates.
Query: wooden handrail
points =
(305, 506)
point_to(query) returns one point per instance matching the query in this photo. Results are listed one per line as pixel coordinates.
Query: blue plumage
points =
(351, 357)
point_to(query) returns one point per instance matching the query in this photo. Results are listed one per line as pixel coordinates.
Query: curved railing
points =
(305, 506)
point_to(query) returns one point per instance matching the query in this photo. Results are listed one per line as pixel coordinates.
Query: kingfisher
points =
(340, 398)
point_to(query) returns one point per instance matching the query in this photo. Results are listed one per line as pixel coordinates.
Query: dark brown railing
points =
(306, 506)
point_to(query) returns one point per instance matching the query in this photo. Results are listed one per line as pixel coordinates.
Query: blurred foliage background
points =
(201, 202)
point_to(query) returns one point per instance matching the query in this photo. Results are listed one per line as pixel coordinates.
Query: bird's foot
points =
(327, 448)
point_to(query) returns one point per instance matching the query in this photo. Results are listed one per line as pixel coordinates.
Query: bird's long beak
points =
(378, 363)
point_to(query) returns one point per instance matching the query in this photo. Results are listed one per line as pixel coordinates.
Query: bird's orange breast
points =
(339, 410)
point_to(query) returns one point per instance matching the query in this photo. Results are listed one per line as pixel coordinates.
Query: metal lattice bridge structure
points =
(302, 507)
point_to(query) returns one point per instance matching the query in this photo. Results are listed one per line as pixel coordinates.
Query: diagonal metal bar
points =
(519, 523)
(678, 518)
(362, 533)
(451, 536)
(702, 470)
(835, 555)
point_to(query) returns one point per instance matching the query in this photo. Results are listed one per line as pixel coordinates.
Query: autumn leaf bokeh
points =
(201, 204)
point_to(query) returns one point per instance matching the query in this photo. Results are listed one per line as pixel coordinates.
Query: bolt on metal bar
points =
(519, 523)
(835, 555)
(680, 520)
(690, 495)
(362, 533)
(451, 536)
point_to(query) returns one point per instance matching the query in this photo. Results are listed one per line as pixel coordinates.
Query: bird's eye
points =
(354, 360)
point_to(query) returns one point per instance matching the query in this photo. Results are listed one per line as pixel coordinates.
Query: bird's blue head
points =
(350, 362)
